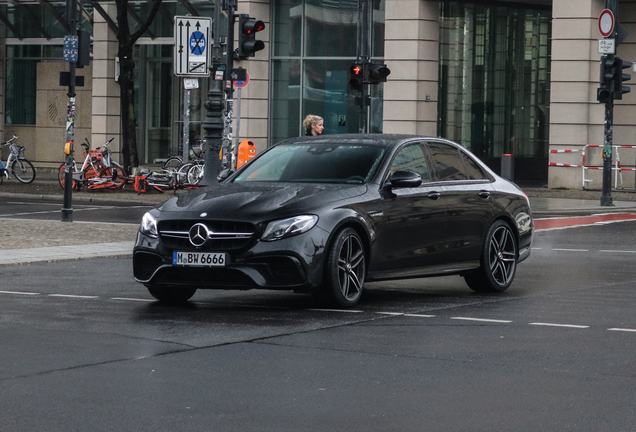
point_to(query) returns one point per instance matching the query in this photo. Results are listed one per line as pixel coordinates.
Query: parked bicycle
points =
(20, 167)
(97, 165)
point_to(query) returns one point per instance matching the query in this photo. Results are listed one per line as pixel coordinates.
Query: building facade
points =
(498, 77)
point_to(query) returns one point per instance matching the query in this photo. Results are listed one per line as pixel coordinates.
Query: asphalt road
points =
(84, 347)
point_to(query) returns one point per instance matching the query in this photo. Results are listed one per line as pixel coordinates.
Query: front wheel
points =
(61, 176)
(171, 295)
(23, 170)
(498, 261)
(115, 175)
(345, 271)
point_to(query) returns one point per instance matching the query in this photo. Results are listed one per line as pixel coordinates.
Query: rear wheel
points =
(171, 295)
(115, 175)
(173, 163)
(23, 170)
(61, 173)
(345, 270)
(498, 261)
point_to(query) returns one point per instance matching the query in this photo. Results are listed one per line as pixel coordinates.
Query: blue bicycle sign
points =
(197, 43)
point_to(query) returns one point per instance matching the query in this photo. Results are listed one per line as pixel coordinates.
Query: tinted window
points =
(448, 162)
(315, 163)
(412, 158)
(473, 171)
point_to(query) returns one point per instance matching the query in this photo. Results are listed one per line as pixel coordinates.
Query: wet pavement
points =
(29, 240)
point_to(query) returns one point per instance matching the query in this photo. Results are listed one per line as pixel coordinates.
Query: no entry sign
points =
(606, 23)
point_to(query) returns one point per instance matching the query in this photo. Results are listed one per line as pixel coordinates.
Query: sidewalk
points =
(23, 241)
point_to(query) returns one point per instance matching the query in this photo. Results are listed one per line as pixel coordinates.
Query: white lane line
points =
(19, 293)
(336, 310)
(481, 320)
(391, 313)
(419, 316)
(572, 250)
(560, 325)
(536, 248)
(73, 296)
(132, 299)
(623, 330)
(618, 251)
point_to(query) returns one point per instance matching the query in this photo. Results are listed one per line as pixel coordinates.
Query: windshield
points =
(314, 163)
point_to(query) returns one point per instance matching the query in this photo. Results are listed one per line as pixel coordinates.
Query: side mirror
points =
(224, 174)
(405, 179)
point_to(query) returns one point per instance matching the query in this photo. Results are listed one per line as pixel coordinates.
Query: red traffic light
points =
(356, 70)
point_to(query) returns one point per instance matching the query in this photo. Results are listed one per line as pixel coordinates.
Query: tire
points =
(116, 176)
(195, 174)
(173, 163)
(345, 270)
(61, 173)
(23, 170)
(94, 170)
(171, 295)
(498, 261)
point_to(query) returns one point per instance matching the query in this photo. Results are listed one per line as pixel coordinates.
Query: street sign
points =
(192, 46)
(70, 48)
(606, 22)
(242, 83)
(606, 46)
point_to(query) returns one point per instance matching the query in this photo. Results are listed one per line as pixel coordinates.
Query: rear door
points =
(466, 190)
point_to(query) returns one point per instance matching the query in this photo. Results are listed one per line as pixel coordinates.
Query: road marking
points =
(571, 250)
(132, 299)
(19, 293)
(391, 313)
(73, 296)
(481, 320)
(336, 310)
(560, 325)
(623, 330)
(578, 221)
(420, 316)
(618, 251)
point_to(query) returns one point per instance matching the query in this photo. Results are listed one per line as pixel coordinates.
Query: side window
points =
(473, 170)
(448, 161)
(412, 158)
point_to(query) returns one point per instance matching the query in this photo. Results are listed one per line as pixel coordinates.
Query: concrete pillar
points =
(411, 51)
(106, 122)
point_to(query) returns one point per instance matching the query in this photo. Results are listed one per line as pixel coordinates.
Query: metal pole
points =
(67, 206)
(238, 127)
(213, 124)
(606, 196)
(186, 124)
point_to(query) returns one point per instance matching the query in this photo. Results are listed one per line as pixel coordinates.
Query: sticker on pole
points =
(606, 23)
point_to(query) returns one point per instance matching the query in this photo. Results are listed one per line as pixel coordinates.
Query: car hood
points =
(253, 200)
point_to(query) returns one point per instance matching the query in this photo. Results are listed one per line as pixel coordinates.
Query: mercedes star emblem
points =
(199, 234)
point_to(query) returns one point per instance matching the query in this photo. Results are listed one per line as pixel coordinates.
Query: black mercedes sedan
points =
(323, 215)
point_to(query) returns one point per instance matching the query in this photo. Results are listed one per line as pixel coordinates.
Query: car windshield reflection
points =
(315, 163)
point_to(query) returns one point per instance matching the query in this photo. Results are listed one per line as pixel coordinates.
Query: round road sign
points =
(606, 23)
(241, 84)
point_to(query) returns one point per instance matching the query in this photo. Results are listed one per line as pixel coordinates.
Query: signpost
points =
(239, 85)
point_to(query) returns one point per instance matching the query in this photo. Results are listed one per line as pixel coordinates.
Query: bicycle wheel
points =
(195, 174)
(173, 163)
(115, 176)
(23, 170)
(93, 171)
(61, 173)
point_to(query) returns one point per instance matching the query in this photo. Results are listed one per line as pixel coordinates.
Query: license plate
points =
(199, 259)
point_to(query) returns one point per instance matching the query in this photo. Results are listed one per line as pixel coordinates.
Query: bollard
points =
(508, 167)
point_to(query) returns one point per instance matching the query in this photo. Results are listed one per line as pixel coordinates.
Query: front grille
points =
(226, 235)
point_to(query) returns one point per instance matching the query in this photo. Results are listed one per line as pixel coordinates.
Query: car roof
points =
(384, 140)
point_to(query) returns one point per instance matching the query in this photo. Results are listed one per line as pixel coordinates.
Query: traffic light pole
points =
(606, 196)
(67, 206)
(362, 58)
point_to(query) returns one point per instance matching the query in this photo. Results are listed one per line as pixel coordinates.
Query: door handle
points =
(434, 195)
(484, 194)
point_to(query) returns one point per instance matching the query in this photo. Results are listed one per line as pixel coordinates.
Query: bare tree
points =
(126, 43)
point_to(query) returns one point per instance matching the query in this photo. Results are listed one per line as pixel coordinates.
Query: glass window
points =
(448, 162)
(332, 28)
(472, 169)
(287, 28)
(20, 91)
(412, 158)
(315, 163)
(501, 105)
(285, 100)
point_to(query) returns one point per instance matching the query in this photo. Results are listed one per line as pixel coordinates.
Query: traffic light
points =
(377, 73)
(608, 67)
(247, 42)
(356, 76)
(619, 77)
(84, 55)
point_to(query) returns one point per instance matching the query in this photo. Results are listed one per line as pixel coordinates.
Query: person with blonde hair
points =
(314, 125)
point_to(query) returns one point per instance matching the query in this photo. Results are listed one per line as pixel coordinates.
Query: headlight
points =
(149, 226)
(284, 228)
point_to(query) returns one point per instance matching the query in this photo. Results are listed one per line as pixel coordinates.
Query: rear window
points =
(314, 163)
